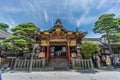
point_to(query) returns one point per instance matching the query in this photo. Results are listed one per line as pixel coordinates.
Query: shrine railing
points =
(7, 63)
(82, 63)
(37, 64)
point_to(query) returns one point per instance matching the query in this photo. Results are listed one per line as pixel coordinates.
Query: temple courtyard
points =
(63, 75)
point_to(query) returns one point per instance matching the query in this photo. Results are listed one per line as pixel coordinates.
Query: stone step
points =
(47, 68)
(58, 63)
(61, 69)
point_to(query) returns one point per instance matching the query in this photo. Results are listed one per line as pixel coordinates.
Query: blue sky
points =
(43, 13)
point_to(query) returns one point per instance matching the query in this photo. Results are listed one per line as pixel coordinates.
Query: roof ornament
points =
(58, 22)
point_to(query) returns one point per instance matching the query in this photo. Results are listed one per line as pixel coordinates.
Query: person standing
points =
(116, 62)
(94, 59)
(108, 62)
(98, 61)
(103, 60)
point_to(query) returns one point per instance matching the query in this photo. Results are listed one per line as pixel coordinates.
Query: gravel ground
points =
(62, 75)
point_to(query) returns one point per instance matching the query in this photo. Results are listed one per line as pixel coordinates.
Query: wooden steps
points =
(58, 63)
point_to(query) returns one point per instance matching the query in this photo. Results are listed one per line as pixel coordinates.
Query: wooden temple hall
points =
(58, 42)
(55, 48)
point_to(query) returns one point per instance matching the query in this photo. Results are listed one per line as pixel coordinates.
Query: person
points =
(0, 75)
(103, 61)
(0, 59)
(98, 61)
(94, 60)
(58, 53)
(108, 62)
(116, 62)
(112, 58)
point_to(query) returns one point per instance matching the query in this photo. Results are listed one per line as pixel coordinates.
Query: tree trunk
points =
(109, 45)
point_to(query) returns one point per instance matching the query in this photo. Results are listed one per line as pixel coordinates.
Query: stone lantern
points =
(78, 51)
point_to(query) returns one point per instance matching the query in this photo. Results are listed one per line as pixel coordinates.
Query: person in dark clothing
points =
(116, 62)
(103, 60)
(94, 59)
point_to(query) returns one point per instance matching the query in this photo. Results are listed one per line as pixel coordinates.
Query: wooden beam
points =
(68, 53)
(47, 56)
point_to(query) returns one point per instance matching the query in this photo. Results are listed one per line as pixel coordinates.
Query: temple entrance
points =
(58, 57)
(58, 51)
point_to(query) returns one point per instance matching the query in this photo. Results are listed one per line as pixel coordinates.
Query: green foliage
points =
(106, 23)
(88, 48)
(103, 36)
(3, 26)
(21, 39)
(115, 37)
(14, 42)
(27, 28)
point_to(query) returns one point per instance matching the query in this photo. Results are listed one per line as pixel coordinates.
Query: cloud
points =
(8, 21)
(86, 21)
(101, 4)
(80, 3)
(44, 12)
(10, 9)
(12, 23)
(76, 5)
(31, 7)
(115, 9)
(86, 18)
(46, 15)
(65, 4)
(82, 19)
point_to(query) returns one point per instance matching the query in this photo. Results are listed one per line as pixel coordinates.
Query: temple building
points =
(4, 35)
(58, 41)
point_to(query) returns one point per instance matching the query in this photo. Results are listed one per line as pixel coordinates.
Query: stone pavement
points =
(62, 75)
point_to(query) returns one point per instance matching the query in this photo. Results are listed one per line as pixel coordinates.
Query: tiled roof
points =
(4, 34)
(91, 39)
(101, 44)
(58, 21)
(115, 42)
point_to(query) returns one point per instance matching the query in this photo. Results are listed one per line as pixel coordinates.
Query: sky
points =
(73, 14)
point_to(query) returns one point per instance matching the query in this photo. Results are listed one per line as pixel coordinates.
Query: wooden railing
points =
(7, 63)
(38, 64)
(82, 63)
(25, 64)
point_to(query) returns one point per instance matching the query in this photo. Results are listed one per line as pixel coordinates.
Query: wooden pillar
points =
(68, 52)
(47, 56)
